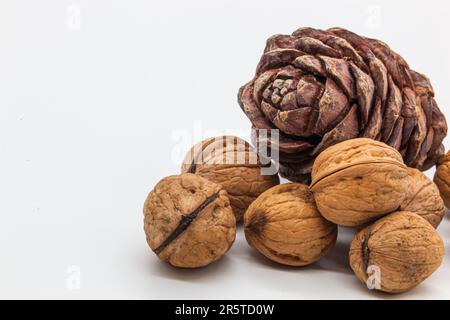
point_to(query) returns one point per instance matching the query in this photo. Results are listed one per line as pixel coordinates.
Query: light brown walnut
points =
(442, 178)
(234, 164)
(188, 221)
(356, 181)
(284, 225)
(396, 253)
(423, 198)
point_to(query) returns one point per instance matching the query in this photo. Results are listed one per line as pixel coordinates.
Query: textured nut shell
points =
(423, 198)
(234, 165)
(210, 234)
(442, 178)
(284, 225)
(357, 181)
(350, 153)
(405, 247)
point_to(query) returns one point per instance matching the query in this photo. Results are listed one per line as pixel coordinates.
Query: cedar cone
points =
(323, 87)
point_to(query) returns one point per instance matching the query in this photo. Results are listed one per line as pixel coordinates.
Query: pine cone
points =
(322, 87)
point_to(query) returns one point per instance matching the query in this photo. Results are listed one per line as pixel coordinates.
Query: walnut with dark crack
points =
(284, 225)
(188, 221)
(396, 253)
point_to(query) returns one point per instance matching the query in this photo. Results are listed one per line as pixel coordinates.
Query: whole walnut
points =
(284, 225)
(321, 87)
(396, 253)
(422, 198)
(359, 180)
(188, 221)
(234, 164)
(442, 178)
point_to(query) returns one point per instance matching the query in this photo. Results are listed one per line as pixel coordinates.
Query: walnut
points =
(189, 221)
(357, 181)
(422, 197)
(232, 163)
(396, 253)
(284, 225)
(442, 178)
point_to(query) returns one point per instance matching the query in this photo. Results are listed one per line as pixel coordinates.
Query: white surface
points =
(86, 130)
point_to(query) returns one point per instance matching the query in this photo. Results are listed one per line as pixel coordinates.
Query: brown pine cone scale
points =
(323, 87)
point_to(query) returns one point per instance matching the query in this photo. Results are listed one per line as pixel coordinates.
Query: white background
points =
(91, 111)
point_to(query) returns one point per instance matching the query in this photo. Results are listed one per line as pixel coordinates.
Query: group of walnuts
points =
(190, 219)
(353, 122)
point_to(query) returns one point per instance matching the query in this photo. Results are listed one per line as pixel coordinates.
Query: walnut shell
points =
(357, 181)
(284, 225)
(234, 164)
(442, 178)
(189, 221)
(422, 198)
(403, 249)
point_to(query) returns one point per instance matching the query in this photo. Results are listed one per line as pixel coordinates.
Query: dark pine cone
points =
(322, 87)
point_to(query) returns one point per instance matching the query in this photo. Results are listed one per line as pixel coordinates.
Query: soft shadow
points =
(336, 260)
(261, 260)
(447, 214)
(166, 270)
(415, 293)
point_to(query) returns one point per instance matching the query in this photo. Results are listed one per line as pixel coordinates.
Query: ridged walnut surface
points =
(323, 87)
(423, 198)
(234, 164)
(359, 180)
(405, 248)
(188, 221)
(442, 178)
(284, 225)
